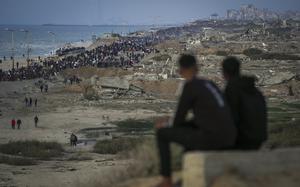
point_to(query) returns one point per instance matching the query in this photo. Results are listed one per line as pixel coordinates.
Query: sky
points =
(133, 12)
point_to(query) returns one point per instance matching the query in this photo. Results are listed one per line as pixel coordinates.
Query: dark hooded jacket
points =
(211, 113)
(248, 108)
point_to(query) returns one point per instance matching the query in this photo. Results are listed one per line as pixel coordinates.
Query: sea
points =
(43, 40)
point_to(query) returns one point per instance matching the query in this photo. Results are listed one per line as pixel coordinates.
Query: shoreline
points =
(7, 64)
(60, 39)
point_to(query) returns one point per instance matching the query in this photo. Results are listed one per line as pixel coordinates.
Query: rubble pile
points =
(111, 88)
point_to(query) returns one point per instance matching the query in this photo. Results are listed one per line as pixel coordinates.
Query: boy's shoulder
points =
(200, 82)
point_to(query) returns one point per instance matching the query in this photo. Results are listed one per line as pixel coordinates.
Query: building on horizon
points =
(250, 12)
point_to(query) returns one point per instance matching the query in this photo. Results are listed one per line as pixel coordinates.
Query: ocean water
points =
(46, 38)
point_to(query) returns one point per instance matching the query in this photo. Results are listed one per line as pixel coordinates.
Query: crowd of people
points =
(123, 53)
(35, 70)
(66, 51)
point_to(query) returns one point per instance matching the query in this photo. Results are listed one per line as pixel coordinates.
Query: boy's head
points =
(188, 66)
(231, 67)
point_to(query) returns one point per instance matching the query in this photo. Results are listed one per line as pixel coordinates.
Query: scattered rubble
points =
(277, 78)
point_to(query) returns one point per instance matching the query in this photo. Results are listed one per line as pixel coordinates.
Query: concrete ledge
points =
(201, 168)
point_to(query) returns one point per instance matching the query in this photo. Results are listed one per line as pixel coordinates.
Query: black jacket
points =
(210, 111)
(249, 112)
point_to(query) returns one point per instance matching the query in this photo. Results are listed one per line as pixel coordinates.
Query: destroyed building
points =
(250, 12)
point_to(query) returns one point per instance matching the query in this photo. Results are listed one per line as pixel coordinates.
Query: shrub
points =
(279, 56)
(257, 54)
(252, 52)
(163, 57)
(117, 145)
(147, 161)
(222, 53)
(135, 125)
(89, 93)
(16, 161)
(79, 157)
(36, 149)
(284, 125)
(284, 135)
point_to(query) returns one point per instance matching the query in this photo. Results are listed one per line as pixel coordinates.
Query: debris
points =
(277, 78)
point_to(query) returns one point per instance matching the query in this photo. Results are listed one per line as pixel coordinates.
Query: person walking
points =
(46, 88)
(13, 123)
(19, 122)
(26, 101)
(41, 87)
(36, 120)
(73, 140)
(35, 102)
(30, 101)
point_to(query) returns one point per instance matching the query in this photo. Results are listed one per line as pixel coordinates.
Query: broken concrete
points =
(113, 82)
(200, 169)
(277, 78)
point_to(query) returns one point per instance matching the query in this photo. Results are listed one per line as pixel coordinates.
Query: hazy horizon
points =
(125, 12)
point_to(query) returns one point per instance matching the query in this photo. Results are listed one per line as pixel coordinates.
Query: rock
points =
(18, 172)
(104, 160)
(113, 82)
(230, 180)
(200, 169)
(72, 169)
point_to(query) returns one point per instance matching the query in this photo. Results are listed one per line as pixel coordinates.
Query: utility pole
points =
(12, 47)
(28, 48)
(53, 35)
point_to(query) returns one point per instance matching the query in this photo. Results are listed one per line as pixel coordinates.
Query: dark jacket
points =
(19, 122)
(210, 111)
(249, 112)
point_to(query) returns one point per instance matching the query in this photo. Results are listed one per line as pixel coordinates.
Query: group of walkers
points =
(233, 120)
(123, 53)
(29, 102)
(44, 87)
(73, 79)
(18, 122)
(14, 123)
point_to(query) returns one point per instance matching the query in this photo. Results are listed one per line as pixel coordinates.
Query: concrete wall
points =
(200, 169)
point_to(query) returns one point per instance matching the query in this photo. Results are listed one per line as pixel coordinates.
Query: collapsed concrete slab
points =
(113, 82)
(110, 88)
(200, 169)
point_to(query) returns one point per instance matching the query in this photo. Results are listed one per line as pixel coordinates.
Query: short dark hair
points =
(187, 61)
(231, 66)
